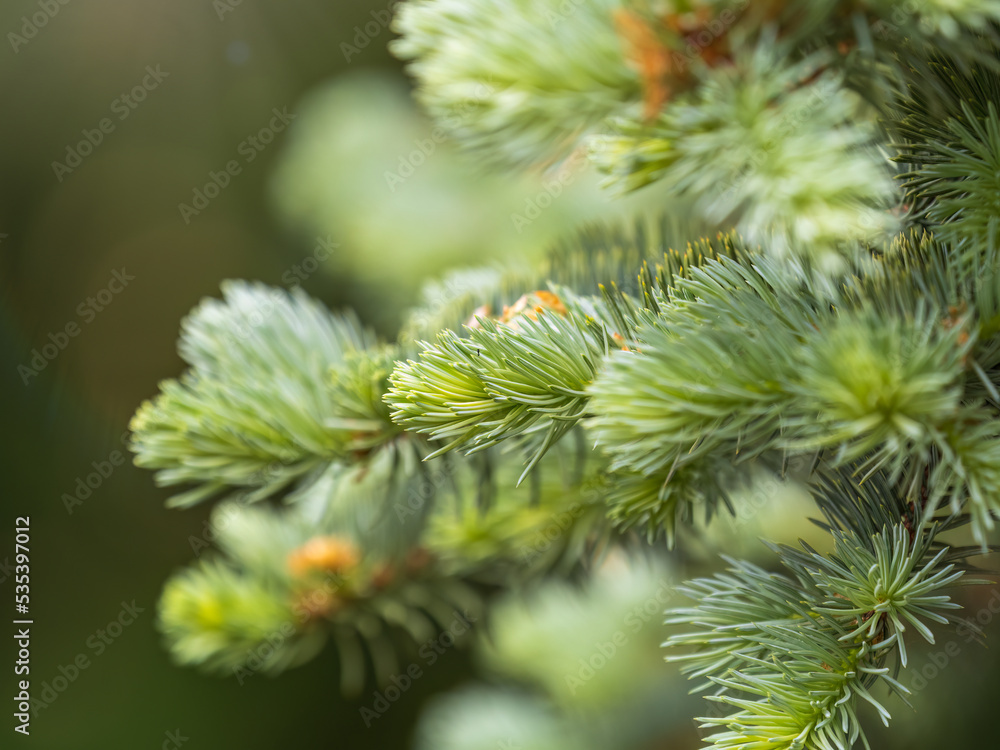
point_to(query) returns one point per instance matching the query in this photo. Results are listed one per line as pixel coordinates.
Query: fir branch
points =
(804, 649)
(743, 147)
(501, 381)
(688, 368)
(287, 584)
(258, 409)
(595, 256)
(568, 73)
(661, 503)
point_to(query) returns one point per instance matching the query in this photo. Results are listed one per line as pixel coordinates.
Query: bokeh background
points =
(327, 180)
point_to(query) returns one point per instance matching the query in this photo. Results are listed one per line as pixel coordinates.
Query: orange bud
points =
(323, 553)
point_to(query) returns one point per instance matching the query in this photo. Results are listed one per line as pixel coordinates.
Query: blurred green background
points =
(228, 66)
